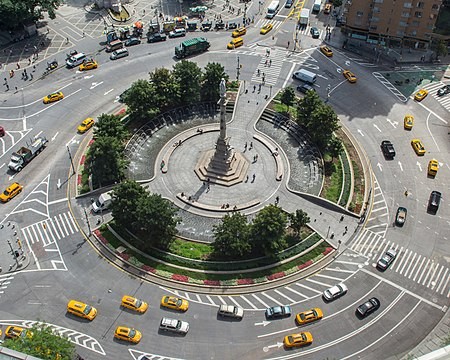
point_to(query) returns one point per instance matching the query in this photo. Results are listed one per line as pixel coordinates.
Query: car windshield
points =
(87, 310)
(178, 324)
(179, 302)
(138, 303)
(6, 192)
(132, 333)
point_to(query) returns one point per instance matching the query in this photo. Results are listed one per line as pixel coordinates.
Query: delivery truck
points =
(25, 154)
(102, 203)
(304, 18)
(191, 47)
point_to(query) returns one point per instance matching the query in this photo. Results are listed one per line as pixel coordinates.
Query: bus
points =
(272, 9)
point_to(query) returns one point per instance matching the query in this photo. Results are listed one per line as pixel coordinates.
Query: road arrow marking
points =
(380, 166)
(71, 141)
(420, 166)
(264, 323)
(95, 84)
(54, 136)
(347, 63)
(376, 127)
(277, 345)
(106, 93)
(393, 123)
(88, 76)
(11, 177)
(400, 165)
(58, 184)
(339, 70)
(360, 132)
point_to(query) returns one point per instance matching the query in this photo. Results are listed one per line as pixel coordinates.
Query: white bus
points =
(272, 9)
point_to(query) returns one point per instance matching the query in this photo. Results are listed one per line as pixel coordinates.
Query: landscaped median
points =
(313, 251)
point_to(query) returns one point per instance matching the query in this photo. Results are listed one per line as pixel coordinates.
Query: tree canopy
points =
(297, 220)
(13, 14)
(188, 76)
(109, 125)
(288, 96)
(213, 74)
(232, 237)
(42, 342)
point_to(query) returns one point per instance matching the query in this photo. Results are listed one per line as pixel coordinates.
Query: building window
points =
(432, 16)
(430, 26)
(420, 4)
(374, 19)
(359, 13)
(407, 5)
(413, 33)
(418, 14)
(400, 33)
(435, 7)
(373, 28)
(378, 1)
(403, 23)
(405, 14)
(376, 9)
(414, 23)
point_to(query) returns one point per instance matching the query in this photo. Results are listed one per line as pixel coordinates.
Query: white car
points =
(335, 292)
(177, 326)
(231, 311)
(177, 33)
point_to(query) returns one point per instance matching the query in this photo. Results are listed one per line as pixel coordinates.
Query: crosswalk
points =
(262, 22)
(48, 231)
(379, 217)
(5, 280)
(433, 87)
(339, 271)
(137, 355)
(269, 67)
(420, 269)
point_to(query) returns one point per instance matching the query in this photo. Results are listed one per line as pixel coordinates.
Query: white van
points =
(102, 203)
(75, 60)
(305, 75)
(272, 9)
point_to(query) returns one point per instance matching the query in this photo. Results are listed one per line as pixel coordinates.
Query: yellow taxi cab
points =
(408, 122)
(326, 50)
(433, 167)
(418, 147)
(10, 192)
(132, 303)
(265, 29)
(233, 44)
(296, 340)
(420, 95)
(327, 8)
(239, 32)
(14, 332)
(82, 310)
(53, 97)
(306, 317)
(349, 76)
(172, 302)
(128, 334)
(88, 65)
(85, 125)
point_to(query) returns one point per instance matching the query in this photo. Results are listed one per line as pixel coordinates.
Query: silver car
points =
(231, 311)
(387, 259)
(120, 53)
(173, 325)
(335, 292)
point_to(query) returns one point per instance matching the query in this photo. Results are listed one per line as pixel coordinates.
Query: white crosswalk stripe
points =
(5, 280)
(269, 67)
(433, 87)
(276, 24)
(50, 230)
(420, 269)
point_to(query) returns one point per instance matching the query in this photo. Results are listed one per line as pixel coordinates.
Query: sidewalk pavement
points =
(14, 256)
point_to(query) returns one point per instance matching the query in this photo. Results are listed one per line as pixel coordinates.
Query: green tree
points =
(268, 230)
(142, 100)
(109, 125)
(297, 220)
(323, 123)
(287, 97)
(166, 88)
(305, 107)
(335, 147)
(43, 343)
(441, 48)
(14, 14)
(188, 77)
(157, 219)
(232, 237)
(212, 75)
(106, 161)
(125, 202)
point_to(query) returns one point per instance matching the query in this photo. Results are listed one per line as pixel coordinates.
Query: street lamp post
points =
(328, 92)
(88, 223)
(13, 253)
(71, 161)
(238, 69)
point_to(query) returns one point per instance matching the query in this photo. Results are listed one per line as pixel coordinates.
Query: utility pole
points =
(238, 69)
(88, 223)
(71, 161)
(13, 253)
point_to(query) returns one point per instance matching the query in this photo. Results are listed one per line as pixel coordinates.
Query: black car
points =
(434, 201)
(444, 90)
(368, 307)
(305, 88)
(314, 33)
(132, 41)
(400, 218)
(388, 149)
(156, 37)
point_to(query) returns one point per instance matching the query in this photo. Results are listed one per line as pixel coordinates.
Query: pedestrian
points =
(251, 145)
(245, 146)
(84, 34)
(7, 87)
(67, 41)
(254, 88)
(48, 30)
(258, 72)
(342, 218)
(270, 62)
(34, 68)
(277, 199)
(346, 229)
(254, 176)
(246, 180)
(289, 43)
(31, 76)
(18, 66)
(16, 89)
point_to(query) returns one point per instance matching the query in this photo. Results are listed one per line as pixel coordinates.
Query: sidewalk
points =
(14, 256)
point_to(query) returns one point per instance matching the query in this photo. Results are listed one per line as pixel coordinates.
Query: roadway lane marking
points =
(286, 297)
(199, 299)
(318, 282)
(431, 111)
(428, 127)
(49, 229)
(432, 267)
(296, 292)
(307, 287)
(272, 299)
(445, 286)
(211, 300)
(406, 261)
(262, 302)
(221, 300)
(234, 301)
(438, 276)
(411, 263)
(248, 302)
(57, 201)
(342, 270)
(68, 223)
(432, 276)
(414, 267)
(328, 277)
(59, 227)
(423, 271)
(64, 225)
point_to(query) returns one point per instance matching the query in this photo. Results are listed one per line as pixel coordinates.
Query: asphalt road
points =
(414, 292)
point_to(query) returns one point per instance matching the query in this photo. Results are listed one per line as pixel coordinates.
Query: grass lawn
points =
(333, 180)
(190, 249)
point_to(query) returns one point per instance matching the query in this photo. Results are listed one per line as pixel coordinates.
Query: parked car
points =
(387, 259)
(132, 41)
(289, 4)
(156, 37)
(305, 88)
(335, 292)
(177, 33)
(276, 312)
(231, 311)
(368, 307)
